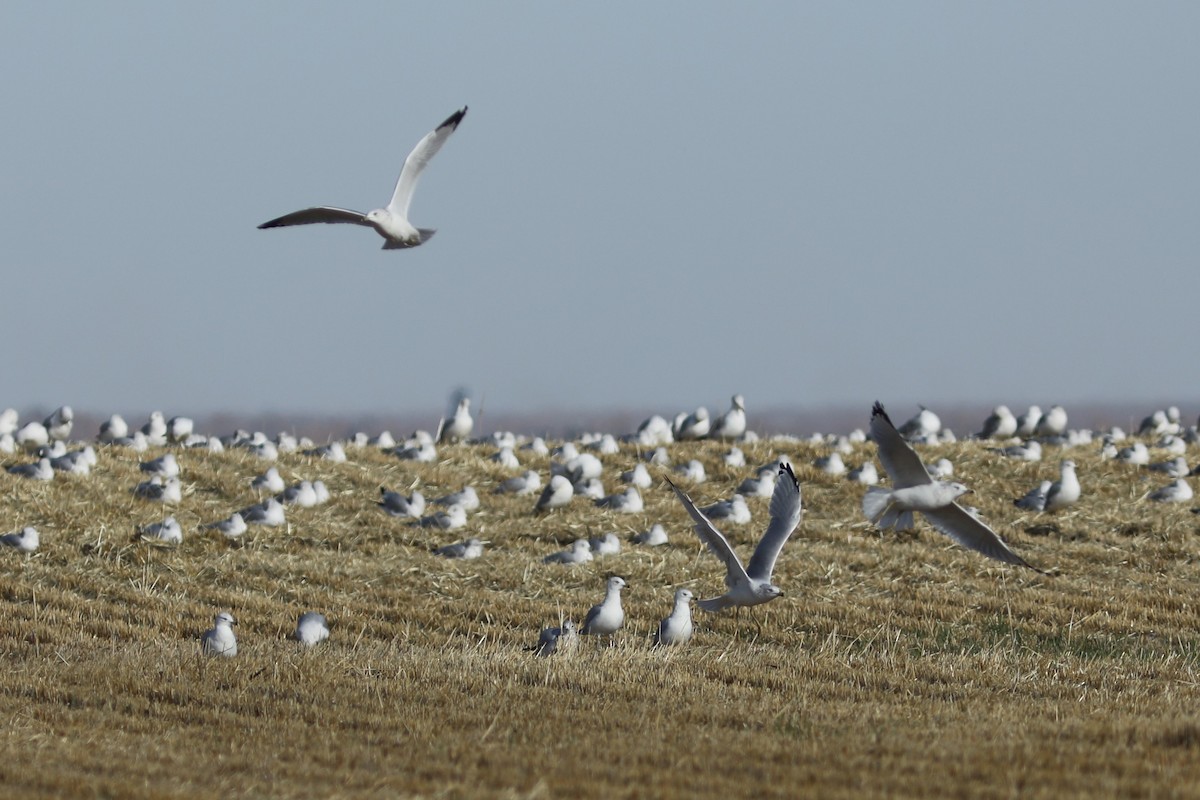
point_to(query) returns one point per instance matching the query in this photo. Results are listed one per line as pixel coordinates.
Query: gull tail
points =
(875, 503)
(715, 604)
(426, 235)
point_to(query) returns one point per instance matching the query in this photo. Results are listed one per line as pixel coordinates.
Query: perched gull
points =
(451, 518)
(1137, 455)
(1175, 468)
(1028, 451)
(1065, 491)
(732, 423)
(311, 629)
(558, 493)
(165, 466)
(301, 494)
(913, 490)
(1000, 425)
(750, 586)
(180, 428)
(471, 548)
(391, 222)
(460, 425)
(732, 510)
(525, 484)
(170, 491)
(231, 528)
(9, 419)
(398, 505)
(219, 640)
(269, 481)
(627, 502)
(761, 486)
(466, 497)
(579, 553)
(865, 474)
(58, 424)
(607, 545)
(655, 537)
(639, 476)
(677, 627)
(1178, 491)
(1052, 423)
(1027, 422)
(169, 530)
(922, 425)
(32, 436)
(831, 464)
(692, 471)
(564, 639)
(26, 540)
(1035, 498)
(692, 426)
(607, 617)
(734, 458)
(942, 468)
(40, 470)
(269, 512)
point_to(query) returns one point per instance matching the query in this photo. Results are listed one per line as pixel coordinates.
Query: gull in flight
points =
(913, 490)
(750, 586)
(391, 222)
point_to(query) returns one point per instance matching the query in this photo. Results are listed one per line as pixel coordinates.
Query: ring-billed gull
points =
(32, 436)
(1175, 468)
(732, 423)
(165, 465)
(692, 471)
(466, 497)
(445, 519)
(606, 617)
(563, 639)
(58, 424)
(1065, 491)
(180, 428)
(656, 536)
(639, 476)
(269, 512)
(1178, 491)
(1001, 424)
(733, 510)
(270, 481)
(676, 628)
(26, 540)
(470, 549)
(9, 420)
(219, 639)
(831, 464)
(169, 530)
(311, 629)
(692, 426)
(398, 505)
(1027, 422)
(525, 484)
(40, 470)
(558, 493)
(626, 502)
(751, 585)
(607, 545)
(1052, 423)
(391, 222)
(459, 426)
(1035, 498)
(865, 474)
(169, 491)
(231, 528)
(921, 425)
(913, 490)
(580, 552)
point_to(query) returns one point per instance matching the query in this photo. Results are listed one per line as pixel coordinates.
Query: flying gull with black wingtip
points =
(913, 490)
(391, 222)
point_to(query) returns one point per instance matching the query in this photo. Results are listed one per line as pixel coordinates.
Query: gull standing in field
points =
(831, 464)
(397, 505)
(761, 486)
(269, 512)
(33, 436)
(114, 428)
(169, 491)
(693, 426)
(311, 629)
(219, 639)
(230, 528)
(466, 497)
(169, 531)
(607, 545)
(733, 510)
(466, 551)
(563, 639)
(732, 423)
(734, 458)
(301, 494)
(449, 519)
(1175, 468)
(865, 474)
(40, 470)
(26, 540)
(750, 586)
(656, 536)
(1026, 451)
(58, 424)
(639, 476)
(626, 502)
(9, 420)
(270, 481)
(1027, 422)
(606, 617)
(525, 484)
(165, 465)
(923, 425)
(1066, 490)
(155, 429)
(677, 627)
(913, 490)
(1001, 424)
(1035, 498)
(580, 552)
(460, 425)
(1053, 422)
(558, 493)
(390, 222)
(1178, 491)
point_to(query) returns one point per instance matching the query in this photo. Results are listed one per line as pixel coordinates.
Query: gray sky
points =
(648, 205)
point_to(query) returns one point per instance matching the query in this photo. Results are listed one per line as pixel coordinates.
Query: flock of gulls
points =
(913, 487)
(576, 470)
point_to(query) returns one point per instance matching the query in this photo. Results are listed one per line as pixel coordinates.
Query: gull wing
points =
(973, 534)
(415, 164)
(902, 463)
(785, 512)
(309, 216)
(735, 573)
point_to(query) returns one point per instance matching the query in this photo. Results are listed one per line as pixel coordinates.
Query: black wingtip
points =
(786, 469)
(877, 411)
(455, 118)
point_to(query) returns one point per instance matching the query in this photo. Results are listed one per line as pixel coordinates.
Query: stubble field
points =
(893, 664)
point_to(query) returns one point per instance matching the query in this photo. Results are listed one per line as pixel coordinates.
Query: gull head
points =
(957, 488)
(224, 618)
(770, 591)
(378, 217)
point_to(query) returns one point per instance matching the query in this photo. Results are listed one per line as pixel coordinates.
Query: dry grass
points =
(898, 665)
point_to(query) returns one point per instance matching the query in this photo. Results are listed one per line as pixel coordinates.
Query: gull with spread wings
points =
(391, 222)
(751, 586)
(913, 490)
